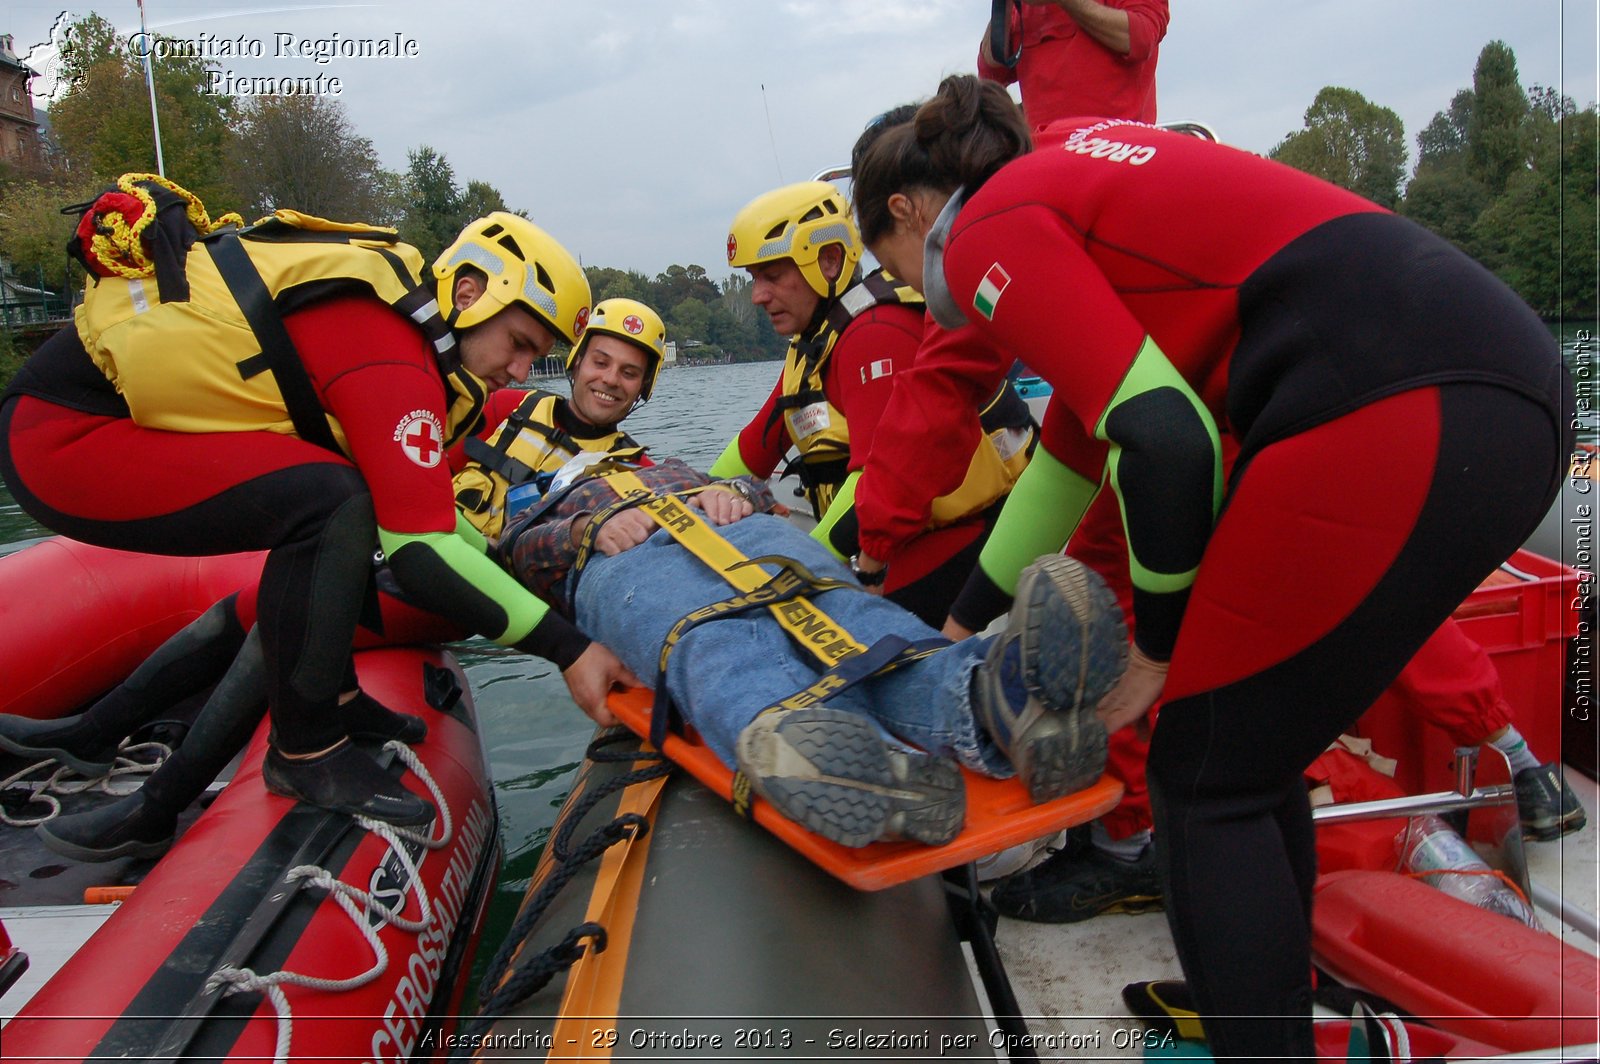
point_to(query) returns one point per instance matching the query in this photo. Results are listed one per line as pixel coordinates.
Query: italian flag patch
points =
(990, 290)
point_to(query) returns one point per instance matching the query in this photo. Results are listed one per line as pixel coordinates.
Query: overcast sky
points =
(634, 129)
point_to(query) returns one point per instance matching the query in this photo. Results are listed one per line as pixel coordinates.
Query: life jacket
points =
(1003, 452)
(816, 427)
(205, 350)
(526, 444)
(822, 435)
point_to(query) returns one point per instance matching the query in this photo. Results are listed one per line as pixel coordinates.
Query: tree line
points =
(1509, 174)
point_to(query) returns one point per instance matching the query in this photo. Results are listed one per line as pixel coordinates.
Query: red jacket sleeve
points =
(376, 374)
(1147, 25)
(933, 412)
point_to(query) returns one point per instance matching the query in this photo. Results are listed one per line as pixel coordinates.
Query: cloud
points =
(634, 129)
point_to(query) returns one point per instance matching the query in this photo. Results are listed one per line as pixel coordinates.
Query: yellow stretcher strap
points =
(808, 625)
(844, 659)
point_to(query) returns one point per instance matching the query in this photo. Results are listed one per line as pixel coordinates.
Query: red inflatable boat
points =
(266, 931)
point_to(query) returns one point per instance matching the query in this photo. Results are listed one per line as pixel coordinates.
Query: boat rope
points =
(502, 989)
(235, 980)
(1493, 873)
(20, 792)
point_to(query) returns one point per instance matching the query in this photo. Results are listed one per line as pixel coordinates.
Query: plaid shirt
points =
(539, 546)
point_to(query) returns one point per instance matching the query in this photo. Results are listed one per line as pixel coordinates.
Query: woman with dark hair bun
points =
(1403, 423)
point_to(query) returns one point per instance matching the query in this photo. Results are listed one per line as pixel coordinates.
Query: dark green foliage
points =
(1350, 142)
(1509, 175)
(1495, 129)
(719, 321)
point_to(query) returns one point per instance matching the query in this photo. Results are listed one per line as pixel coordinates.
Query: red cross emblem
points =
(580, 321)
(421, 437)
(634, 324)
(733, 247)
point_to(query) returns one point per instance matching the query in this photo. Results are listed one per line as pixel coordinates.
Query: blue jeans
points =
(724, 672)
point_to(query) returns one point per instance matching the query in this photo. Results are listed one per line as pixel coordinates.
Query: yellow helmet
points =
(527, 267)
(634, 322)
(796, 222)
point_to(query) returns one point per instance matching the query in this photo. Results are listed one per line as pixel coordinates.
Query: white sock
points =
(1129, 849)
(1515, 747)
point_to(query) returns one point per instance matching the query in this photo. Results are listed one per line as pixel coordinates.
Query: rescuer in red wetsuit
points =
(1082, 57)
(850, 335)
(1166, 286)
(395, 384)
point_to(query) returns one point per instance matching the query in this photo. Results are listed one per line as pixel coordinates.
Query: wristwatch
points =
(867, 579)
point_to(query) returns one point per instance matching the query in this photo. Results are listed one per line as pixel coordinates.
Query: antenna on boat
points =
(150, 83)
(770, 137)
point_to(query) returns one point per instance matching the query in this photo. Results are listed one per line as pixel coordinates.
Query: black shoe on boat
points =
(367, 718)
(1548, 807)
(58, 740)
(128, 827)
(345, 780)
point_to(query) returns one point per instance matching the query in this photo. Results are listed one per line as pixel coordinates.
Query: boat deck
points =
(1069, 977)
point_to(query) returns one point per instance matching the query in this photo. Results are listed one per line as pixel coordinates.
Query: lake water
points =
(535, 735)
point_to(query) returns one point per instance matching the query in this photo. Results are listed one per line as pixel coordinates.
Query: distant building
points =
(25, 304)
(671, 356)
(20, 140)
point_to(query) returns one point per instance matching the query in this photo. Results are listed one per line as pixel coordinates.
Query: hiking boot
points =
(1070, 887)
(60, 740)
(132, 826)
(1546, 804)
(832, 771)
(1036, 691)
(345, 780)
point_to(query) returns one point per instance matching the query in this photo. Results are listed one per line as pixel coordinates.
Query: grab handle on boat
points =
(106, 895)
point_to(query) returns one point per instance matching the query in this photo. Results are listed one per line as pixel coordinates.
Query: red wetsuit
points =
(1064, 71)
(79, 465)
(1402, 428)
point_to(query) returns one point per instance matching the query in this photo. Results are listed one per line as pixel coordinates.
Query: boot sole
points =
(1063, 750)
(1547, 831)
(831, 771)
(131, 848)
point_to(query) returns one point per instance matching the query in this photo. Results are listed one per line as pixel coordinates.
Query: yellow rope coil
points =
(119, 245)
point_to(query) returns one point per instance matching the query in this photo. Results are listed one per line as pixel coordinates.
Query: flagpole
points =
(150, 83)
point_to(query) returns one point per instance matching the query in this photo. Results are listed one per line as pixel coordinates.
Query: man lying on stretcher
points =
(839, 708)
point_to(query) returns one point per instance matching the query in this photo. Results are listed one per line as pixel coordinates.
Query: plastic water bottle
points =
(1429, 845)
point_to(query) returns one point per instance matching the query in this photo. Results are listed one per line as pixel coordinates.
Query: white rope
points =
(1400, 1038)
(390, 831)
(242, 980)
(63, 780)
